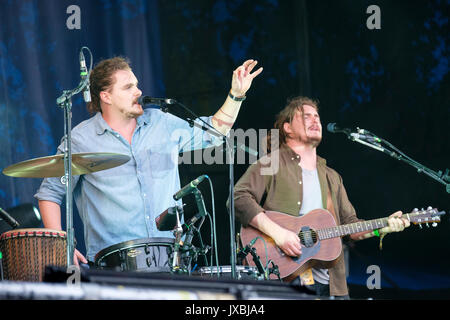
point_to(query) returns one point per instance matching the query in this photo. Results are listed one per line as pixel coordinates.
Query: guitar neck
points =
(346, 229)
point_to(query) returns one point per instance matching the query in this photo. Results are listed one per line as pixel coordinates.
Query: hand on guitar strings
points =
(289, 242)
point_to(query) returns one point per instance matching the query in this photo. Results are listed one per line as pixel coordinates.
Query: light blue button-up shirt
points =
(121, 203)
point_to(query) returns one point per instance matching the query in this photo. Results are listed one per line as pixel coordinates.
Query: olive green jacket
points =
(281, 190)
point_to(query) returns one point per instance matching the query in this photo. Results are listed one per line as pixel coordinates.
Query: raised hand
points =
(242, 78)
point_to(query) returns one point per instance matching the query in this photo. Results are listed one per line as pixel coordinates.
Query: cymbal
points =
(53, 166)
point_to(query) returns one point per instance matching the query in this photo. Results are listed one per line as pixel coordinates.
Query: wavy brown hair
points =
(287, 115)
(101, 79)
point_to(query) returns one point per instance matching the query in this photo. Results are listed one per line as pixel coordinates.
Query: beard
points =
(314, 141)
(134, 112)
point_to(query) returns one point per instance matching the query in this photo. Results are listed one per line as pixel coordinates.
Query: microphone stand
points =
(178, 233)
(8, 219)
(229, 152)
(443, 178)
(65, 102)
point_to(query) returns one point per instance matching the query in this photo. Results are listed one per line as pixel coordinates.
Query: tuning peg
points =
(427, 225)
(429, 208)
(420, 226)
(415, 210)
(434, 224)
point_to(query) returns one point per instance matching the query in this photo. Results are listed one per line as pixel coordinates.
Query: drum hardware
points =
(176, 259)
(190, 253)
(242, 272)
(65, 102)
(187, 252)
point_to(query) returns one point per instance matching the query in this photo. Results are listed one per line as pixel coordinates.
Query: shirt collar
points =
(291, 153)
(101, 125)
(144, 119)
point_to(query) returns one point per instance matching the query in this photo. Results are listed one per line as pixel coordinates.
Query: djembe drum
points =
(26, 253)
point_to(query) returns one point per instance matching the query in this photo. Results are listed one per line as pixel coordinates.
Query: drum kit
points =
(24, 253)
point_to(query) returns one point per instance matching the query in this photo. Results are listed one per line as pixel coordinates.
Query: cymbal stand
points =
(65, 102)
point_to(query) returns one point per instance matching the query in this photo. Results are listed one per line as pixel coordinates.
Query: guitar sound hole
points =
(308, 237)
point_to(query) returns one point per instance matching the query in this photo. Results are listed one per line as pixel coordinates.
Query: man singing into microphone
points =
(303, 182)
(121, 203)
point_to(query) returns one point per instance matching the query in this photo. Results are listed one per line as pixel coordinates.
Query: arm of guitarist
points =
(286, 240)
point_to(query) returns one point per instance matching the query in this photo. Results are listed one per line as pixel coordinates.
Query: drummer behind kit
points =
(27, 251)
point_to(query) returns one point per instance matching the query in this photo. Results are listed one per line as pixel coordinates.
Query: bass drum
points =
(142, 255)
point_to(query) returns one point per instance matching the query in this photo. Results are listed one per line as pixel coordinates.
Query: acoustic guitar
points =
(320, 238)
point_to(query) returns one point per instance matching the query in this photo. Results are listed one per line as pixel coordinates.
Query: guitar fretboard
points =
(343, 230)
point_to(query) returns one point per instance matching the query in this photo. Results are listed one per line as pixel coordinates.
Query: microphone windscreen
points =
(331, 127)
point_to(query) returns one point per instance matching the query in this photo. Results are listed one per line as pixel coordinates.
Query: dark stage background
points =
(393, 81)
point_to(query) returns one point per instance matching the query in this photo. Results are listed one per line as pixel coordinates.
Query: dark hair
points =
(287, 115)
(101, 79)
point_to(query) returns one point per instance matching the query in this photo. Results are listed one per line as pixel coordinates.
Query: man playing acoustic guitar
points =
(302, 183)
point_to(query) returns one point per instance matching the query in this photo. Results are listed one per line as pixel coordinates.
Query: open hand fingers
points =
(246, 68)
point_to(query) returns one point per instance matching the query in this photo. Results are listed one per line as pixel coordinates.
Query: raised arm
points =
(241, 81)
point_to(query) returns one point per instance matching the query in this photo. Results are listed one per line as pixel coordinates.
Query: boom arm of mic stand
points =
(420, 168)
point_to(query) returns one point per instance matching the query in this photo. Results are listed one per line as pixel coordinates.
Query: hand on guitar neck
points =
(395, 224)
(285, 239)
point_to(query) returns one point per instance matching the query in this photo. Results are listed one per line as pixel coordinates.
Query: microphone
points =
(84, 74)
(246, 250)
(7, 217)
(333, 128)
(145, 100)
(360, 134)
(167, 220)
(189, 187)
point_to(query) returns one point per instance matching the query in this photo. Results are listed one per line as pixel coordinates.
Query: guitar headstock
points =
(430, 215)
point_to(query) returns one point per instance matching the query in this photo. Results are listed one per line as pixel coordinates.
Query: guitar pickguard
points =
(307, 253)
